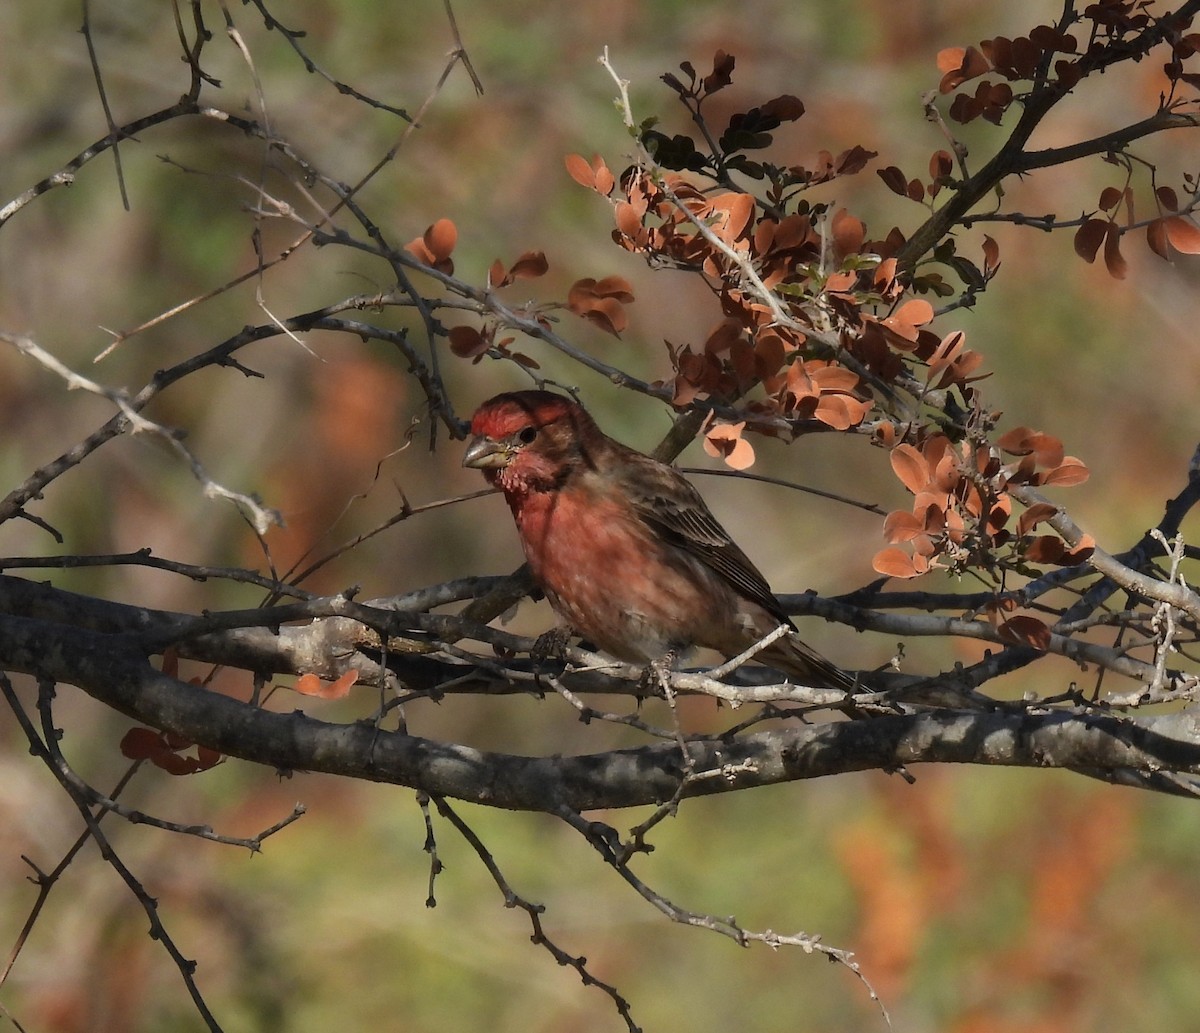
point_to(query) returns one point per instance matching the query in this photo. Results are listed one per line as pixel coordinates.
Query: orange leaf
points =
(850, 411)
(737, 210)
(910, 467)
(580, 171)
(605, 180)
(440, 238)
(311, 685)
(1072, 471)
(917, 312)
(950, 59)
(847, 231)
(946, 352)
(725, 440)
(894, 562)
(614, 287)
(834, 378)
(959, 65)
(628, 219)
(1183, 235)
(1046, 449)
(901, 526)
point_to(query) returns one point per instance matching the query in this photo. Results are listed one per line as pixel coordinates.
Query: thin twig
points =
(113, 131)
(158, 931)
(534, 911)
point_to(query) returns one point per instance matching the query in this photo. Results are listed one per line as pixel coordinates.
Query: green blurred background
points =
(976, 900)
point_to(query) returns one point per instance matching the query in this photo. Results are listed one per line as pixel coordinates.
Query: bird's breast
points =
(613, 579)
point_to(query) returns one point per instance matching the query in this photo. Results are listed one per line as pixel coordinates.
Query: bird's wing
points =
(669, 503)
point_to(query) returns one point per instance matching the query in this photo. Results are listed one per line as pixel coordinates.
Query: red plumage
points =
(626, 550)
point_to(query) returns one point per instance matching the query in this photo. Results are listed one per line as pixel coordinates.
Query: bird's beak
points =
(484, 454)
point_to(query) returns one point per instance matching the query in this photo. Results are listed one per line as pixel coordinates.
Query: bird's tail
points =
(792, 656)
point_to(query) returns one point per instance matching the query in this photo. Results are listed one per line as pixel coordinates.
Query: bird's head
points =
(526, 440)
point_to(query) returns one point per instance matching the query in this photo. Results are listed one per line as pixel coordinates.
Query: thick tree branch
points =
(113, 672)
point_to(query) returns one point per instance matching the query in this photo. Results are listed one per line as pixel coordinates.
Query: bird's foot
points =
(655, 679)
(550, 645)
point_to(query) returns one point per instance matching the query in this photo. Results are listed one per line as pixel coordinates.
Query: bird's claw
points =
(550, 645)
(654, 680)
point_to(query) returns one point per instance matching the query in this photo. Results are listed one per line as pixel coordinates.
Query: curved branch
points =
(113, 672)
(1013, 159)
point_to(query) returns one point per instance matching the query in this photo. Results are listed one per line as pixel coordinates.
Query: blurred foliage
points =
(977, 901)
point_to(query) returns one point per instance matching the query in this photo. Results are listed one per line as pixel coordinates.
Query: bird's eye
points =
(527, 435)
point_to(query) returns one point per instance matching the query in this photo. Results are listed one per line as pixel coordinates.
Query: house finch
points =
(624, 548)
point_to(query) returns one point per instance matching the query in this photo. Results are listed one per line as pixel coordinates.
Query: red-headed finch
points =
(623, 546)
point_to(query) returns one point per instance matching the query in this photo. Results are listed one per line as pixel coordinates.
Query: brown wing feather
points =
(667, 501)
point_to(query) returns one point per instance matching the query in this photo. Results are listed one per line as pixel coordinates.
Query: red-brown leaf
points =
(941, 164)
(1156, 238)
(613, 287)
(1167, 198)
(1089, 237)
(1035, 515)
(1114, 261)
(497, 277)
(206, 758)
(529, 266)
(606, 313)
(466, 342)
(848, 232)
(1028, 631)
(1082, 552)
(1072, 471)
(894, 179)
(1046, 548)
(991, 255)
(141, 743)
(175, 764)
